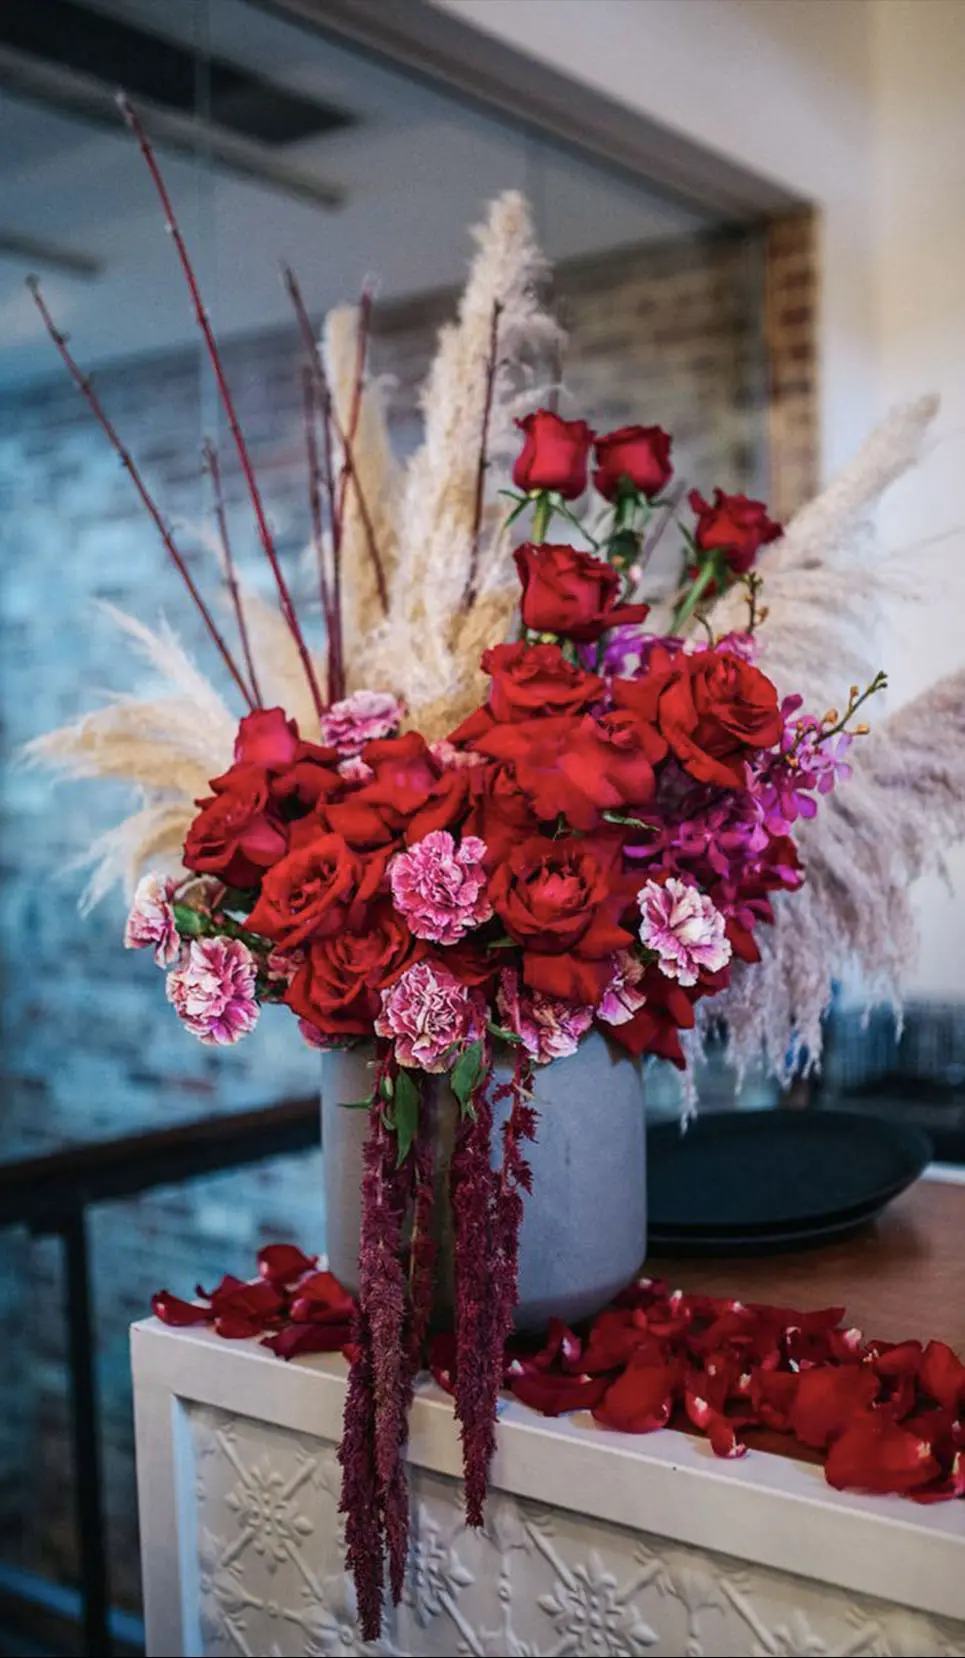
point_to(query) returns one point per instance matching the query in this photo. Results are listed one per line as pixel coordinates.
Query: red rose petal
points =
(256, 1300)
(827, 1401)
(555, 1394)
(307, 1338)
(172, 1310)
(942, 1375)
(237, 1326)
(281, 1264)
(639, 1401)
(902, 1358)
(875, 1454)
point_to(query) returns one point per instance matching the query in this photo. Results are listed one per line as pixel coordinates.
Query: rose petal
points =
(307, 1338)
(875, 1454)
(902, 1358)
(639, 1401)
(942, 1375)
(237, 1326)
(255, 1300)
(827, 1401)
(553, 1394)
(282, 1263)
(172, 1310)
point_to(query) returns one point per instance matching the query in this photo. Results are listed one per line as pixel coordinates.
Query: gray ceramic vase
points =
(584, 1233)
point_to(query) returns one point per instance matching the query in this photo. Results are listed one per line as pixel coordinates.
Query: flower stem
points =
(542, 515)
(691, 599)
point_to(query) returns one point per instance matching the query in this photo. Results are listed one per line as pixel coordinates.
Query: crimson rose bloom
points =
(634, 457)
(713, 710)
(315, 891)
(570, 592)
(236, 835)
(554, 454)
(734, 526)
(408, 796)
(557, 901)
(528, 680)
(339, 988)
(266, 738)
(579, 766)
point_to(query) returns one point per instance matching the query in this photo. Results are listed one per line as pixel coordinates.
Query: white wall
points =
(780, 85)
(858, 105)
(918, 54)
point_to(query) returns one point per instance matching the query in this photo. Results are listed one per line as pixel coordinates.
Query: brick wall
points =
(670, 333)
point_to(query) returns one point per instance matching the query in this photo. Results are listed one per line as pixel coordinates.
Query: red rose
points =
(712, 709)
(634, 458)
(408, 796)
(314, 892)
(266, 738)
(554, 454)
(558, 902)
(577, 766)
(311, 776)
(570, 592)
(339, 988)
(735, 526)
(236, 835)
(655, 1028)
(499, 813)
(528, 680)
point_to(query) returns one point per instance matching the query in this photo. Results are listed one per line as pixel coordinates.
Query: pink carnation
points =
(359, 719)
(622, 997)
(355, 770)
(451, 758)
(430, 1016)
(440, 887)
(214, 991)
(684, 928)
(316, 1038)
(151, 920)
(549, 1028)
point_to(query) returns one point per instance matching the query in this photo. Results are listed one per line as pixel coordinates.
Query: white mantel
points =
(596, 1542)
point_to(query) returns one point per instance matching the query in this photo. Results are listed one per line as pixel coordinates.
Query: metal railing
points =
(51, 1196)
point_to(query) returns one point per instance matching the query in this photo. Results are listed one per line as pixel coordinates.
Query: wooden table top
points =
(899, 1278)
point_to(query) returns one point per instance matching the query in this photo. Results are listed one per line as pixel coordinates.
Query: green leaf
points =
(406, 1113)
(356, 1105)
(633, 822)
(503, 1034)
(189, 922)
(465, 1075)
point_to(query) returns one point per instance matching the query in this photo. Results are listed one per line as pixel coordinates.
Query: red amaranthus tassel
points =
(487, 1210)
(374, 1490)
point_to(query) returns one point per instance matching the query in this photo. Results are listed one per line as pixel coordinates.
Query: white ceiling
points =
(417, 170)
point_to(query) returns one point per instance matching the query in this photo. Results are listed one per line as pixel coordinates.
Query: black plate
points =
(811, 1236)
(762, 1174)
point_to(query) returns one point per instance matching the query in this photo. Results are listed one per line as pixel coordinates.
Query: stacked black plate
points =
(753, 1182)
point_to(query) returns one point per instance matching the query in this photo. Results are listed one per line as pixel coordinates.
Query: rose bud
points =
(554, 454)
(733, 526)
(633, 459)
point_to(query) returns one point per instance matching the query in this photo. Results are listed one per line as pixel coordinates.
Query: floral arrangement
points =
(499, 812)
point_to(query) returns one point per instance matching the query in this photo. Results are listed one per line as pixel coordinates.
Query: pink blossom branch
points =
(227, 400)
(221, 519)
(147, 500)
(469, 595)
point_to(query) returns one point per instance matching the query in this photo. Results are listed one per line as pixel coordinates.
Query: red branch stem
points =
(337, 496)
(221, 519)
(315, 499)
(469, 595)
(110, 431)
(227, 400)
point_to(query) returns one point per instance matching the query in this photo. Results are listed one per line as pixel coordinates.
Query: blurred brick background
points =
(672, 333)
